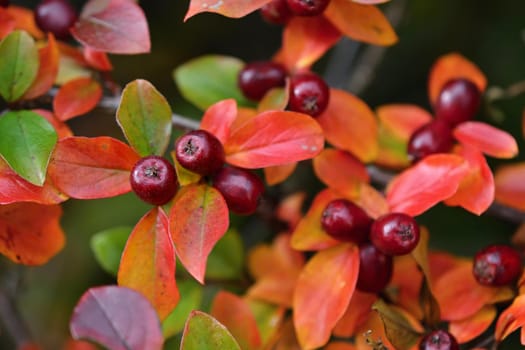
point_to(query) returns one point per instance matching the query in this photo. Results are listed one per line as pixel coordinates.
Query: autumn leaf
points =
(203, 332)
(279, 173)
(511, 319)
(76, 97)
(402, 119)
(219, 118)
(510, 187)
(233, 9)
(49, 56)
(487, 139)
(469, 328)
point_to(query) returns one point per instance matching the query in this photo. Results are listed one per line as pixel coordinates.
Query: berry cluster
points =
(280, 11)
(389, 235)
(457, 102)
(55, 16)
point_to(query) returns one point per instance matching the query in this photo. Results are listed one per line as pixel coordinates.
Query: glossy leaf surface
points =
(510, 187)
(219, 118)
(108, 245)
(203, 332)
(76, 97)
(234, 9)
(467, 329)
(48, 56)
(487, 139)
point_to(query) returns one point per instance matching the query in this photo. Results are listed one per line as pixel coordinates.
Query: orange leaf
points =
(235, 314)
(72, 344)
(76, 97)
(467, 329)
(406, 279)
(25, 20)
(198, 219)
(274, 138)
(289, 209)
(47, 70)
(339, 346)
(486, 138)
(275, 99)
(511, 319)
(356, 314)
(372, 201)
(88, 168)
(97, 59)
(510, 187)
(349, 124)
(361, 22)
(219, 118)
(277, 174)
(402, 119)
(7, 23)
(147, 264)
(30, 233)
(372, 330)
(433, 179)
(60, 127)
(323, 293)
(453, 66)
(233, 9)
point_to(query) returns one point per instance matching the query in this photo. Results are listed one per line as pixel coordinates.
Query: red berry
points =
(256, 78)
(431, 138)
(55, 16)
(276, 12)
(438, 340)
(395, 233)
(309, 94)
(200, 151)
(307, 7)
(345, 221)
(497, 265)
(241, 189)
(153, 179)
(375, 269)
(458, 101)
(4, 3)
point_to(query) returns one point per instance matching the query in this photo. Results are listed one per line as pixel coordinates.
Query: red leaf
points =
(7, 23)
(219, 118)
(97, 59)
(433, 179)
(147, 264)
(349, 124)
(25, 20)
(30, 233)
(118, 318)
(198, 219)
(228, 8)
(510, 187)
(323, 292)
(235, 314)
(78, 345)
(486, 138)
(277, 174)
(88, 168)
(511, 319)
(49, 57)
(402, 119)
(361, 22)
(76, 97)
(467, 329)
(274, 138)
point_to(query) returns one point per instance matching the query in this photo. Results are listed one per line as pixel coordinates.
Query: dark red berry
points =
(438, 340)
(431, 138)
(375, 269)
(497, 265)
(200, 151)
(458, 101)
(276, 12)
(4, 3)
(241, 189)
(309, 94)
(55, 16)
(345, 221)
(153, 179)
(395, 233)
(307, 7)
(256, 78)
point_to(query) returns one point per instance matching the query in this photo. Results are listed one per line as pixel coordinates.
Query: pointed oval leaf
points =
(275, 99)
(198, 219)
(467, 329)
(402, 119)
(108, 245)
(118, 318)
(349, 124)
(144, 116)
(76, 97)
(510, 187)
(486, 138)
(511, 319)
(361, 22)
(228, 8)
(49, 56)
(274, 138)
(147, 264)
(355, 315)
(184, 176)
(433, 179)
(18, 65)
(26, 143)
(60, 127)
(219, 118)
(190, 299)
(276, 174)
(97, 59)
(116, 26)
(88, 168)
(30, 233)
(203, 332)
(209, 79)
(323, 292)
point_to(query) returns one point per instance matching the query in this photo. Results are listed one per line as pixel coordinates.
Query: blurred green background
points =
(490, 33)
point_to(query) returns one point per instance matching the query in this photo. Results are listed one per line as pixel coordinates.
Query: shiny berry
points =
(431, 138)
(346, 221)
(200, 151)
(438, 340)
(153, 179)
(276, 12)
(307, 7)
(395, 233)
(375, 269)
(256, 78)
(497, 265)
(55, 16)
(4, 3)
(241, 189)
(309, 94)
(458, 101)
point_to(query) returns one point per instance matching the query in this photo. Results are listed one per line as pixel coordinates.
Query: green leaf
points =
(26, 143)
(18, 65)
(190, 299)
(210, 79)
(226, 258)
(144, 116)
(108, 245)
(268, 317)
(203, 332)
